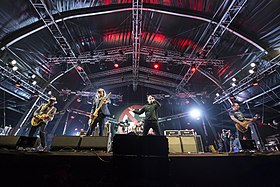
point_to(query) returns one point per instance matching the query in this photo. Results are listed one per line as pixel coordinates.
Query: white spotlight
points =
(33, 76)
(233, 84)
(252, 64)
(195, 113)
(251, 71)
(15, 68)
(13, 62)
(49, 92)
(217, 94)
(34, 82)
(233, 79)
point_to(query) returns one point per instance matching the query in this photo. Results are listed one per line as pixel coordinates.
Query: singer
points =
(151, 115)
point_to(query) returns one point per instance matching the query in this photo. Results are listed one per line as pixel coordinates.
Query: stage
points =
(99, 168)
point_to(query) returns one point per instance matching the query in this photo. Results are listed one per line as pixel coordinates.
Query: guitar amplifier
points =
(171, 133)
(187, 132)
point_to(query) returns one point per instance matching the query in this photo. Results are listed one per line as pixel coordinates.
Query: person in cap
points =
(44, 113)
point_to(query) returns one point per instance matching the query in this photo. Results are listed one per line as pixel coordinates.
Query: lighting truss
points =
(16, 76)
(51, 24)
(229, 15)
(87, 94)
(246, 82)
(137, 8)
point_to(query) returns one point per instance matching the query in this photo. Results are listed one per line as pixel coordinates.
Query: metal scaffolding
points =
(229, 15)
(137, 8)
(246, 82)
(51, 24)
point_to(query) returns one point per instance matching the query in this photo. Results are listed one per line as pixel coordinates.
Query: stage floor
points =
(99, 168)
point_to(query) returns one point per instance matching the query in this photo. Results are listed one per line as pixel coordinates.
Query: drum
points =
(139, 130)
(122, 129)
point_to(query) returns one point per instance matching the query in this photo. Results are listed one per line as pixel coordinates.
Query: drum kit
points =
(130, 129)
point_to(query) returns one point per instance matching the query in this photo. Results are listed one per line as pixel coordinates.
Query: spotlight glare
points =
(233, 84)
(33, 76)
(233, 79)
(195, 113)
(217, 94)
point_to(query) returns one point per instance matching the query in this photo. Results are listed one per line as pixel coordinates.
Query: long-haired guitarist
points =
(99, 116)
(241, 123)
(44, 113)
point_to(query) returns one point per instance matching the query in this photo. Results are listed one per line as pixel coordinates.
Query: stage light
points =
(34, 83)
(156, 66)
(233, 84)
(252, 64)
(17, 84)
(79, 100)
(251, 71)
(49, 92)
(79, 68)
(15, 68)
(193, 68)
(233, 79)
(195, 113)
(256, 83)
(33, 76)
(13, 62)
(116, 65)
(217, 94)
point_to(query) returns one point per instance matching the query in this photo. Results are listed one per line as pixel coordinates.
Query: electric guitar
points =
(36, 120)
(243, 126)
(94, 115)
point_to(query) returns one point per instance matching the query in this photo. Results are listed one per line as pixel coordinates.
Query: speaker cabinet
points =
(174, 144)
(199, 143)
(61, 143)
(18, 142)
(140, 145)
(189, 144)
(95, 143)
(26, 142)
(9, 142)
(248, 145)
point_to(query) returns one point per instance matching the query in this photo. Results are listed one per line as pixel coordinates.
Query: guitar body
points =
(242, 127)
(36, 120)
(93, 116)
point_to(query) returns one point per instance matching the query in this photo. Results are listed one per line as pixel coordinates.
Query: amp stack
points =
(184, 141)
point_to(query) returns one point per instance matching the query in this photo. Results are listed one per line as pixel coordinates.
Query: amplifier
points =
(171, 133)
(187, 132)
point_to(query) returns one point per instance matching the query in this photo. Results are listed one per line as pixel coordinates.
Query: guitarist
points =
(102, 113)
(237, 116)
(48, 111)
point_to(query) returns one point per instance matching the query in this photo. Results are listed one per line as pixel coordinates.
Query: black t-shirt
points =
(238, 115)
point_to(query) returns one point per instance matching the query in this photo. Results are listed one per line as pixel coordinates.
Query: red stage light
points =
(156, 66)
(193, 69)
(116, 65)
(79, 68)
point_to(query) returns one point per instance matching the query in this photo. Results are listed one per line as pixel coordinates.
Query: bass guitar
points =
(36, 120)
(94, 115)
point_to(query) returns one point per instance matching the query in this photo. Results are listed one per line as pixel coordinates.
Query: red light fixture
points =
(116, 65)
(156, 66)
(79, 68)
(193, 68)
